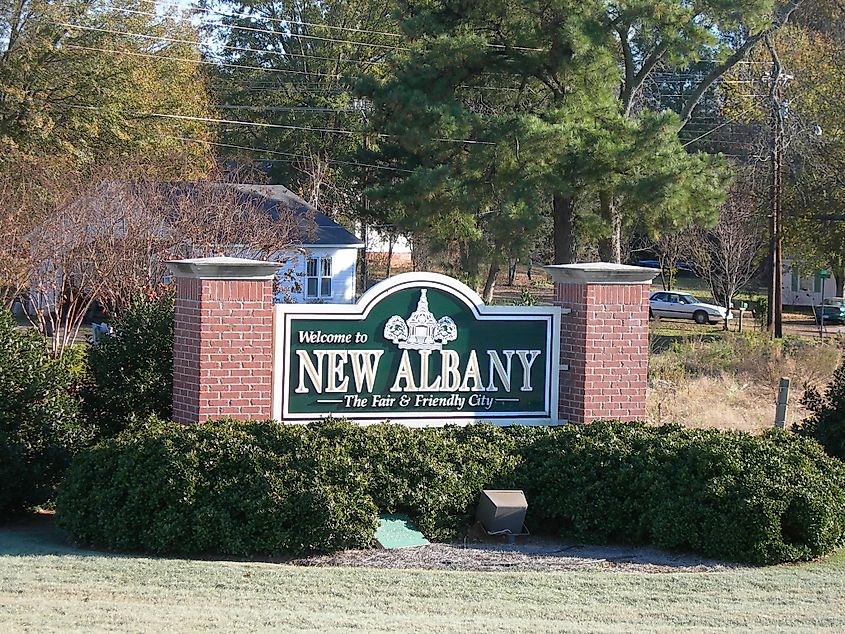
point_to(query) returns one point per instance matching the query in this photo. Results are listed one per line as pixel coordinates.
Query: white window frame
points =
(323, 276)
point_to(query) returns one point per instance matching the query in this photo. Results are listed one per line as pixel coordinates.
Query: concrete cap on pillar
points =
(600, 273)
(224, 268)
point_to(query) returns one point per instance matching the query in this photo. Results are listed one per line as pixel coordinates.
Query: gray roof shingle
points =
(326, 232)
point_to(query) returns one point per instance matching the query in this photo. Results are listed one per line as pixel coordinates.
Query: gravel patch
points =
(532, 555)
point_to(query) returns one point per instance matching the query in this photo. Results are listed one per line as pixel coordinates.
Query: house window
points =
(795, 281)
(818, 281)
(318, 277)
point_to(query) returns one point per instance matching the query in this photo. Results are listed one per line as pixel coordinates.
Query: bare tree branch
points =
(781, 18)
(104, 237)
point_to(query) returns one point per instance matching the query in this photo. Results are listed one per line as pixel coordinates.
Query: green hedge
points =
(728, 495)
(248, 488)
(40, 422)
(826, 422)
(433, 475)
(132, 370)
(228, 488)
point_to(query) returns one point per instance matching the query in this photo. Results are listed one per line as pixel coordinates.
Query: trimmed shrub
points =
(228, 488)
(250, 488)
(40, 423)
(132, 370)
(755, 499)
(827, 422)
(590, 482)
(433, 475)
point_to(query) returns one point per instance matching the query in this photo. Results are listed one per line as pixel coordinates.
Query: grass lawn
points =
(48, 586)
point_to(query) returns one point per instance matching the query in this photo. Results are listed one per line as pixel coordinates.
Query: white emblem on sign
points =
(421, 331)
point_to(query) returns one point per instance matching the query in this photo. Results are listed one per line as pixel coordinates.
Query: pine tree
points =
(501, 104)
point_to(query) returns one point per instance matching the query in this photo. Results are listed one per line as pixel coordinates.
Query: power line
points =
(664, 94)
(271, 32)
(681, 80)
(303, 35)
(269, 83)
(197, 9)
(257, 124)
(502, 88)
(289, 109)
(704, 71)
(188, 60)
(200, 44)
(327, 26)
(254, 124)
(280, 82)
(721, 125)
(278, 153)
(297, 22)
(305, 87)
(292, 90)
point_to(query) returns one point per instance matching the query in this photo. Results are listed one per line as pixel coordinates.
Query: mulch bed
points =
(531, 555)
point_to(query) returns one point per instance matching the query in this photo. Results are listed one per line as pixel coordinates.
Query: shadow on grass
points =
(38, 535)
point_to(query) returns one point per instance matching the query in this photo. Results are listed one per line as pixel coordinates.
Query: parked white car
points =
(684, 306)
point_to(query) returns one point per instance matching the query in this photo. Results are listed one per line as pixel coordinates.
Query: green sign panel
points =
(421, 349)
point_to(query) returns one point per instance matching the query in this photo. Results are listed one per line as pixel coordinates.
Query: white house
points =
(323, 266)
(805, 288)
(382, 243)
(319, 266)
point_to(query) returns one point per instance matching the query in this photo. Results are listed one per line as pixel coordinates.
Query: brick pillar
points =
(222, 339)
(603, 340)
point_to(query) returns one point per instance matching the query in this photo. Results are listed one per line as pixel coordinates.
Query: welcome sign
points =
(420, 349)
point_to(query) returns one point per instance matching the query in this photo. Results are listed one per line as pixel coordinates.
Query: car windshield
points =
(688, 299)
(834, 301)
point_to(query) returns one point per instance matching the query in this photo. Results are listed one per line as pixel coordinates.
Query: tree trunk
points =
(563, 214)
(728, 303)
(610, 249)
(471, 263)
(363, 263)
(839, 278)
(390, 243)
(490, 282)
(512, 272)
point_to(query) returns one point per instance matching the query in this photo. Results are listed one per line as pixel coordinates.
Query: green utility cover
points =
(397, 531)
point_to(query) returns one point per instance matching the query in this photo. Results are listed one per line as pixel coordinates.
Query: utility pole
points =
(365, 234)
(774, 317)
(365, 237)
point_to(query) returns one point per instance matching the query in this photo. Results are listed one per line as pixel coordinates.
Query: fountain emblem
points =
(421, 331)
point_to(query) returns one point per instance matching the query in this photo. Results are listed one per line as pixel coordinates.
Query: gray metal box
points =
(502, 511)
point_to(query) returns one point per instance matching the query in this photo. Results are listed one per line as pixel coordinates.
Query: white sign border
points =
(284, 313)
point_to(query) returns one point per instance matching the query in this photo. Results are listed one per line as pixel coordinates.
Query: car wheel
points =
(701, 317)
(650, 314)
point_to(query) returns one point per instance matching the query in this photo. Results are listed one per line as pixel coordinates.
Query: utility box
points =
(502, 512)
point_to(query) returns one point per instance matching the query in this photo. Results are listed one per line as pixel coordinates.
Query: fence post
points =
(783, 402)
